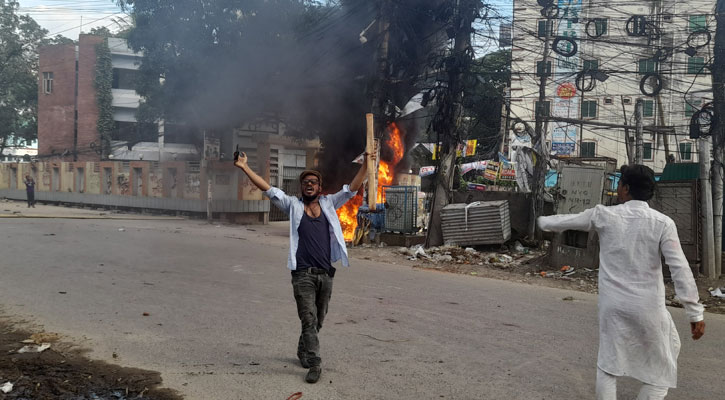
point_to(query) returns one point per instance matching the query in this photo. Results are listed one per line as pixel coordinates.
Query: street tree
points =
(20, 37)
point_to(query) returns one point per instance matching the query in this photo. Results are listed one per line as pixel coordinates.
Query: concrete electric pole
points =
(639, 145)
(718, 135)
(539, 141)
(451, 111)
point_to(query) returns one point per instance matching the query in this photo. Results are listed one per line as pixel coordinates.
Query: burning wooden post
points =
(371, 149)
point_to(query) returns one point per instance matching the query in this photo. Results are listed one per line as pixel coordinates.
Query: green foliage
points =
(20, 37)
(103, 83)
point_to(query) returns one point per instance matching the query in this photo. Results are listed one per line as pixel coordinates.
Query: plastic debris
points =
(565, 268)
(121, 230)
(718, 293)
(470, 250)
(7, 387)
(34, 349)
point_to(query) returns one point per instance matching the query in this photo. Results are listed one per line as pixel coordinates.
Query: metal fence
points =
(290, 183)
(401, 210)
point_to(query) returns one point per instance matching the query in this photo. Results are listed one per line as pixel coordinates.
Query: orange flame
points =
(348, 212)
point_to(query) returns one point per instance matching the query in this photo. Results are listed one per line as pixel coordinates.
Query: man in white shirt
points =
(316, 242)
(637, 337)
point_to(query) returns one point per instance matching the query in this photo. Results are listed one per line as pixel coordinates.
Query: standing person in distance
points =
(30, 190)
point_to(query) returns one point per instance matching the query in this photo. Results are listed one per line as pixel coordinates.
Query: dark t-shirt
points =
(314, 248)
(29, 185)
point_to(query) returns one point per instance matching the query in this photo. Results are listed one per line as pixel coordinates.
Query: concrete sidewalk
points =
(20, 209)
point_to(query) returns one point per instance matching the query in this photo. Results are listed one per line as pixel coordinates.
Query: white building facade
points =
(608, 56)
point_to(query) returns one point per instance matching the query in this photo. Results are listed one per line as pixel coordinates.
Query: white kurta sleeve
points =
(685, 286)
(583, 221)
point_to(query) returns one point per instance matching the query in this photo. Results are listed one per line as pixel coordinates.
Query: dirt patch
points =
(522, 264)
(62, 371)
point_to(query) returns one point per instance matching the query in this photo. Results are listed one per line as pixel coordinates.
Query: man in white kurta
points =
(637, 337)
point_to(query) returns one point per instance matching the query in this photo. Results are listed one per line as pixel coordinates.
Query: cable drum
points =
(636, 26)
(588, 31)
(551, 11)
(656, 88)
(581, 81)
(702, 122)
(569, 51)
(695, 40)
(662, 54)
(520, 128)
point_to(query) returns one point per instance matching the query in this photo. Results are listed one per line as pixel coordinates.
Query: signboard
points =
(491, 172)
(508, 172)
(477, 165)
(581, 189)
(566, 104)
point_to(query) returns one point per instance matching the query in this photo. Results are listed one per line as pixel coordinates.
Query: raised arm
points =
(685, 286)
(583, 221)
(257, 180)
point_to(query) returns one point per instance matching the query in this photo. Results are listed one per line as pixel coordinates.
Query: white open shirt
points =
(637, 337)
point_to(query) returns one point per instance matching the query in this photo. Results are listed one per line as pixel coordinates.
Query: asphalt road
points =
(223, 322)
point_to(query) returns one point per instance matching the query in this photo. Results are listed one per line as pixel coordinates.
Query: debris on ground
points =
(63, 372)
(717, 293)
(34, 349)
(568, 298)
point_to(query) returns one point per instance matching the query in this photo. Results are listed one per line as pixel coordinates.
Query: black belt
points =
(314, 271)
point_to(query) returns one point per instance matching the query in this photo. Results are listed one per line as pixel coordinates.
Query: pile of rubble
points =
(458, 255)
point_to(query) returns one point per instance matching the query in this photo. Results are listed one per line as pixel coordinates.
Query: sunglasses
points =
(306, 182)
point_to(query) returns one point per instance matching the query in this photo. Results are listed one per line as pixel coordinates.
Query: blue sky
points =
(64, 16)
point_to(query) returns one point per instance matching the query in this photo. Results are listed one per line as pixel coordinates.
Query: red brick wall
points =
(56, 110)
(87, 106)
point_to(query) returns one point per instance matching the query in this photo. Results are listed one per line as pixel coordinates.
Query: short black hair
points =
(641, 181)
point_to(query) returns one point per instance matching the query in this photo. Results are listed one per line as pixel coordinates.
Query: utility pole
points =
(708, 254)
(451, 112)
(718, 136)
(539, 141)
(627, 139)
(638, 154)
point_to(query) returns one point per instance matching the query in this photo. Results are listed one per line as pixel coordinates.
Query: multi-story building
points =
(167, 166)
(604, 51)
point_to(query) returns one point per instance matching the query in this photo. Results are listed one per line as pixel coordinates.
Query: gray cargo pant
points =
(312, 289)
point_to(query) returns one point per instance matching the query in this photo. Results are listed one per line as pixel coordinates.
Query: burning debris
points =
(395, 148)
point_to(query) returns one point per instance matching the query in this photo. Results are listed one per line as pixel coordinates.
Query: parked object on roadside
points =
(479, 223)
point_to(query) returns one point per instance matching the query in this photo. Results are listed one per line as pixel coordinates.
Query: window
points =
(648, 108)
(544, 108)
(647, 153)
(698, 23)
(540, 68)
(589, 109)
(685, 151)
(608, 100)
(47, 82)
(590, 65)
(542, 28)
(647, 65)
(124, 79)
(691, 106)
(627, 100)
(695, 65)
(600, 26)
(588, 149)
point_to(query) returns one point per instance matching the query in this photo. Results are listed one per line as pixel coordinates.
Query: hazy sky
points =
(64, 16)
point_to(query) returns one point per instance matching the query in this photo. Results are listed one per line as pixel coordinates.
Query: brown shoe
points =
(313, 375)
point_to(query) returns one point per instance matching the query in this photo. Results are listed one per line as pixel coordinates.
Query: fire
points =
(348, 212)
